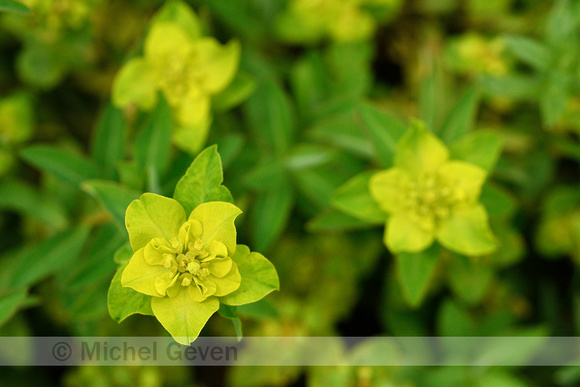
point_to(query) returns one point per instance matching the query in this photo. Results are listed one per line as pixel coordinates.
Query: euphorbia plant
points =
(429, 197)
(186, 67)
(185, 261)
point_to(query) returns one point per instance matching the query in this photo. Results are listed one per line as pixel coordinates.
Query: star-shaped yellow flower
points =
(429, 197)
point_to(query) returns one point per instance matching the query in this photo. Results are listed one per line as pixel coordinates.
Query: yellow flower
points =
(429, 197)
(187, 70)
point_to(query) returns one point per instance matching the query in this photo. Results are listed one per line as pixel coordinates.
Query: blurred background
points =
(315, 79)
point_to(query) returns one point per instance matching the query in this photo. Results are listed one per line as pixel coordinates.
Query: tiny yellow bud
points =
(193, 267)
(198, 245)
(186, 281)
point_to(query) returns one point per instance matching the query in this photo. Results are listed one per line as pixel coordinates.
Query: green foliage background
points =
(317, 106)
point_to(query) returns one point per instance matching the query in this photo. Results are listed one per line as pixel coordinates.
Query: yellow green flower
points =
(188, 70)
(183, 262)
(16, 119)
(474, 54)
(340, 20)
(431, 198)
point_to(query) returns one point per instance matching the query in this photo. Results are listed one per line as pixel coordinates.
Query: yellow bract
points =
(188, 71)
(430, 197)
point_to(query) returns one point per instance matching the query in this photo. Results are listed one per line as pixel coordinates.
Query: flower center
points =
(194, 260)
(178, 77)
(429, 197)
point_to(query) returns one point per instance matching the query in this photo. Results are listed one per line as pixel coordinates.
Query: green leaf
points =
(18, 196)
(309, 80)
(462, 116)
(183, 317)
(433, 99)
(560, 26)
(49, 256)
(512, 86)
(123, 254)
(114, 198)
(345, 134)
(152, 145)
(497, 201)
(481, 148)
(271, 212)
(270, 117)
(240, 89)
(123, 302)
(415, 272)
(64, 164)
(529, 51)
(385, 132)
(230, 312)
(13, 6)
(307, 156)
(131, 174)
(468, 280)
(259, 277)
(504, 351)
(453, 320)
(354, 199)
(202, 182)
(553, 101)
(334, 220)
(10, 301)
(109, 140)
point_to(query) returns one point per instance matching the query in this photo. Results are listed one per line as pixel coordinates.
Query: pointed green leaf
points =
(385, 132)
(553, 102)
(49, 256)
(461, 118)
(259, 277)
(64, 164)
(231, 313)
(19, 196)
(202, 182)
(270, 214)
(152, 146)
(270, 117)
(13, 6)
(354, 199)
(497, 201)
(183, 317)
(512, 86)
(415, 272)
(529, 51)
(10, 301)
(468, 280)
(560, 26)
(333, 220)
(124, 301)
(240, 89)
(114, 198)
(109, 140)
(481, 148)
